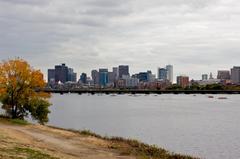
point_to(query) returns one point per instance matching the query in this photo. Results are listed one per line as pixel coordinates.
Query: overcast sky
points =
(195, 36)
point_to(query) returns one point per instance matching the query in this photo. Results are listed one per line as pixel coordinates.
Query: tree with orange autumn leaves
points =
(19, 91)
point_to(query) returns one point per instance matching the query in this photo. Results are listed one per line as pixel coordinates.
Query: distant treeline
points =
(196, 86)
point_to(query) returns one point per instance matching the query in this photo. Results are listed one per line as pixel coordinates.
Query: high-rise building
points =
(103, 77)
(145, 76)
(183, 81)
(142, 76)
(95, 76)
(162, 73)
(223, 75)
(83, 78)
(235, 75)
(61, 73)
(123, 70)
(211, 76)
(51, 75)
(151, 77)
(115, 73)
(204, 77)
(111, 77)
(72, 76)
(130, 82)
(169, 69)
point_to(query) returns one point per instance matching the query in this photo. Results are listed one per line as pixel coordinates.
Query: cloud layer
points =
(196, 36)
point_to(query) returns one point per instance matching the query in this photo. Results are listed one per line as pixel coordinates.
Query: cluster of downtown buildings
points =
(119, 77)
(226, 77)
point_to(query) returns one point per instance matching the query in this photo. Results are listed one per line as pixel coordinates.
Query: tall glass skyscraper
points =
(162, 73)
(166, 73)
(103, 77)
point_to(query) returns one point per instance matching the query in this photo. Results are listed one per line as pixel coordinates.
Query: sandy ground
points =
(57, 143)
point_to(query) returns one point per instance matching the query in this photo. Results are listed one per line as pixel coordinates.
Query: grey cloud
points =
(26, 2)
(105, 3)
(196, 36)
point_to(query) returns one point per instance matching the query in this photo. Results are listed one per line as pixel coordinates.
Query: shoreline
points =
(112, 91)
(126, 148)
(148, 150)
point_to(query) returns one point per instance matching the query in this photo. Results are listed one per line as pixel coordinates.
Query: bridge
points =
(132, 91)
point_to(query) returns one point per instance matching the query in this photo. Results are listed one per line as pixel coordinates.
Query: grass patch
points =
(18, 121)
(8, 120)
(33, 154)
(89, 133)
(23, 153)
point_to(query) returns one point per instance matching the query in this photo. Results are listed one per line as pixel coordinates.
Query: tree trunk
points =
(13, 116)
(15, 111)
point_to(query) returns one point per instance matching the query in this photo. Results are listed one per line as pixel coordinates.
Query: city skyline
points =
(196, 36)
(122, 72)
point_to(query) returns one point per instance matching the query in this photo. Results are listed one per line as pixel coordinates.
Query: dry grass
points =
(133, 147)
(122, 146)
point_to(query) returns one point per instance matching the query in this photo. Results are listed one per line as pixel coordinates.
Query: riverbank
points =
(133, 91)
(21, 140)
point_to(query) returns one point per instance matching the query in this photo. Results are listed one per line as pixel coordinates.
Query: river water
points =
(188, 124)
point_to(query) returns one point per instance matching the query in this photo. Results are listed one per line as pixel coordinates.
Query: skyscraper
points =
(142, 76)
(235, 74)
(61, 73)
(115, 72)
(151, 77)
(83, 78)
(95, 76)
(162, 73)
(111, 77)
(103, 77)
(169, 69)
(223, 75)
(72, 76)
(51, 75)
(145, 76)
(123, 70)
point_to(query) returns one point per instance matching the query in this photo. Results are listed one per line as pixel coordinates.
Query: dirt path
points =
(55, 142)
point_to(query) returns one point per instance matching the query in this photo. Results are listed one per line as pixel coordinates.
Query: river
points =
(188, 124)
